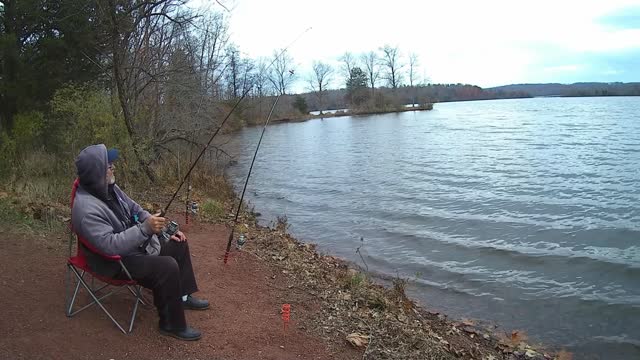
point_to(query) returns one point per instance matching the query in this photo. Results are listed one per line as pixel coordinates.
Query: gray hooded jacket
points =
(93, 220)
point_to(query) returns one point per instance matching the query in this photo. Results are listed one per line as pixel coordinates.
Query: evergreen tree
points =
(300, 104)
(44, 44)
(357, 86)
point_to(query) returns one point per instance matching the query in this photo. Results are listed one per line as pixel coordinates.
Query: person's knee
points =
(170, 265)
(164, 270)
(167, 266)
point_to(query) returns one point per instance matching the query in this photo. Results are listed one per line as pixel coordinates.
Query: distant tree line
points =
(419, 94)
(576, 89)
(385, 79)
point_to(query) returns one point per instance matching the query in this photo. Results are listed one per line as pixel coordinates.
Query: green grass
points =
(212, 210)
(19, 216)
(9, 215)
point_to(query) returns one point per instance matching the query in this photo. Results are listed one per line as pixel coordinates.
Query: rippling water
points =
(523, 213)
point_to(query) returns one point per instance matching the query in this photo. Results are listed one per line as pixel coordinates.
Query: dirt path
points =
(244, 321)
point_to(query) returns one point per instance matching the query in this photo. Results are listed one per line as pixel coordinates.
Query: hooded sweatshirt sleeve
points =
(95, 228)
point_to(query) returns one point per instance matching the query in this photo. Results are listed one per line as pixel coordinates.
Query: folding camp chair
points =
(78, 266)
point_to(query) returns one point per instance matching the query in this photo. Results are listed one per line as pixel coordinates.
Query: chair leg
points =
(96, 300)
(75, 292)
(67, 291)
(138, 293)
(93, 302)
(135, 307)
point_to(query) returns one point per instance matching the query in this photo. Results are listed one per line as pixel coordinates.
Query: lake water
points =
(523, 213)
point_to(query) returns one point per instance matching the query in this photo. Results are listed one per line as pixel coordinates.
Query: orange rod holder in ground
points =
(246, 181)
(286, 315)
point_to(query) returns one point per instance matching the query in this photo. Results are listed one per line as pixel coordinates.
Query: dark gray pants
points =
(170, 276)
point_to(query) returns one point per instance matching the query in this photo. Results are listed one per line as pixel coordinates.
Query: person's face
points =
(111, 177)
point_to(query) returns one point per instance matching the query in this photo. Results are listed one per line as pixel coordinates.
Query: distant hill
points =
(576, 89)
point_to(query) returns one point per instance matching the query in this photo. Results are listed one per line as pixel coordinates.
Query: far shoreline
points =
(424, 107)
(341, 113)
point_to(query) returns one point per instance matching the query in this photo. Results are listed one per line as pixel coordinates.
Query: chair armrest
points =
(91, 248)
(110, 257)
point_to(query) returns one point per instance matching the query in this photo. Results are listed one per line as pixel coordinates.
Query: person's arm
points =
(99, 233)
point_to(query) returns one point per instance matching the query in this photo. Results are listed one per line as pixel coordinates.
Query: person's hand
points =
(155, 223)
(179, 237)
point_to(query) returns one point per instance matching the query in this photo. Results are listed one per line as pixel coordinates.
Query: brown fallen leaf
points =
(358, 339)
(564, 355)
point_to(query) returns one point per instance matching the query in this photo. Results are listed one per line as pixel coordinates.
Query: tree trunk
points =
(126, 111)
(10, 67)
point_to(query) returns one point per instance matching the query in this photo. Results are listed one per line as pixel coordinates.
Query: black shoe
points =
(193, 303)
(187, 334)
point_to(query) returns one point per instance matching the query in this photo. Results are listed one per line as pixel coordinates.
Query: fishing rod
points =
(246, 181)
(193, 165)
(187, 205)
(163, 212)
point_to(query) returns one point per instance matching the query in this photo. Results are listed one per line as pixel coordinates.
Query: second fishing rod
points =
(246, 181)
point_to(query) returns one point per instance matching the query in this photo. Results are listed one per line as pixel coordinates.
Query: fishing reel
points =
(169, 230)
(240, 242)
(192, 207)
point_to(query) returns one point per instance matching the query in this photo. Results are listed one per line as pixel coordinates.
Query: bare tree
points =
(372, 67)
(393, 66)
(348, 62)
(319, 81)
(190, 94)
(234, 69)
(140, 35)
(168, 66)
(212, 42)
(261, 78)
(282, 72)
(413, 67)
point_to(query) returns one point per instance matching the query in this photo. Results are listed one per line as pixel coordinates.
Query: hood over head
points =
(91, 165)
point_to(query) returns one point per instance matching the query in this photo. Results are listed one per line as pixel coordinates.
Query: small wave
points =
(475, 280)
(627, 257)
(622, 339)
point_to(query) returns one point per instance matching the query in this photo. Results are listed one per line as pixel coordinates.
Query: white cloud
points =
(562, 68)
(612, 72)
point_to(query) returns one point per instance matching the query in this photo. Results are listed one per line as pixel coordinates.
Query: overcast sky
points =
(486, 43)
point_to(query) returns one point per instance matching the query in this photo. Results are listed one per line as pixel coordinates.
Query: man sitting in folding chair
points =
(113, 224)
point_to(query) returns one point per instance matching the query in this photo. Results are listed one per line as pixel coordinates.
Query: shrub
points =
(82, 116)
